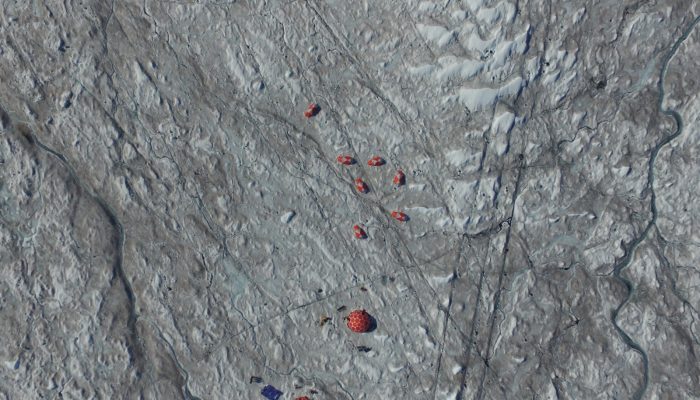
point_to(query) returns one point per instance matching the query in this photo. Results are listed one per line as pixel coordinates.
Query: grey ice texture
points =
(171, 224)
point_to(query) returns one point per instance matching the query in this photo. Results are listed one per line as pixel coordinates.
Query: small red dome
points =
(312, 110)
(376, 161)
(359, 321)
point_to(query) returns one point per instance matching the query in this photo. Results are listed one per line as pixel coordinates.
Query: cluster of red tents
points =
(375, 161)
(359, 321)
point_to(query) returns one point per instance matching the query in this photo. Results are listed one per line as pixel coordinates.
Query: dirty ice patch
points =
(482, 98)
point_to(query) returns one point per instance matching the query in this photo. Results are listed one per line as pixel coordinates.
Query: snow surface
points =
(171, 225)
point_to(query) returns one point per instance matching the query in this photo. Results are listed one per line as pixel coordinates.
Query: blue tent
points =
(271, 393)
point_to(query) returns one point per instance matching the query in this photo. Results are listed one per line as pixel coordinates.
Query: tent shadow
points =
(373, 324)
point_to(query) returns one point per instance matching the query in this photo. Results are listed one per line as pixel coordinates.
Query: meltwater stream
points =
(625, 261)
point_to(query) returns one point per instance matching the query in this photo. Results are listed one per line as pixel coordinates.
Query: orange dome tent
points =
(360, 321)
